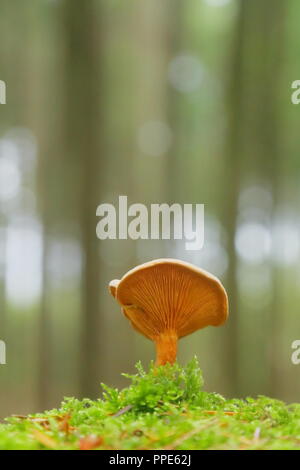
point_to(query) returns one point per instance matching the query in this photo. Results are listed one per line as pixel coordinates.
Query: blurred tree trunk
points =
(44, 118)
(273, 27)
(176, 41)
(152, 175)
(155, 35)
(231, 187)
(253, 149)
(3, 320)
(3, 222)
(31, 106)
(83, 126)
(44, 328)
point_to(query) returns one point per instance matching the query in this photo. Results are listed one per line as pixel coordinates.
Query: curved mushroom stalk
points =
(167, 299)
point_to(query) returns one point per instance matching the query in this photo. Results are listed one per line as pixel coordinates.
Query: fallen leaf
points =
(223, 425)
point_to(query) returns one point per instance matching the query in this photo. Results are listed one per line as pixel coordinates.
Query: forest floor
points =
(164, 408)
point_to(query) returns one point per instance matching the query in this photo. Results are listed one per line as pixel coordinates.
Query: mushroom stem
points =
(166, 348)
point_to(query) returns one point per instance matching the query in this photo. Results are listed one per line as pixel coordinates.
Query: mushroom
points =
(167, 299)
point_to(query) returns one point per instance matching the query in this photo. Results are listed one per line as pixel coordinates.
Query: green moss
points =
(165, 408)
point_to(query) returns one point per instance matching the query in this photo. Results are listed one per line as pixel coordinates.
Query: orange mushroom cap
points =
(167, 299)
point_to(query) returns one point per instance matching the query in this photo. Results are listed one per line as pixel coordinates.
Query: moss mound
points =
(165, 408)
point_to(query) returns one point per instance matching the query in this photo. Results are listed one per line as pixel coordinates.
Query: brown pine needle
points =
(190, 434)
(228, 413)
(45, 440)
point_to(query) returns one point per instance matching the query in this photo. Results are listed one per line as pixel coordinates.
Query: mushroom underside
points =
(165, 301)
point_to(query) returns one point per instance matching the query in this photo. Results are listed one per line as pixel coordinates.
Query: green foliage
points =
(165, 408)
(159, 388)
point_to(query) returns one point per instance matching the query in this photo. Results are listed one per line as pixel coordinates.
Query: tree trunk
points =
(82, 92)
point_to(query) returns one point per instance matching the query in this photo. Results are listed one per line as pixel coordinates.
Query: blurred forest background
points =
(162, 101)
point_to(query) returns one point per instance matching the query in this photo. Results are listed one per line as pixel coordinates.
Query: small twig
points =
(122, 411)
(256, 434)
